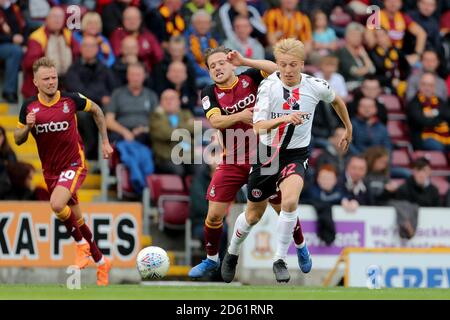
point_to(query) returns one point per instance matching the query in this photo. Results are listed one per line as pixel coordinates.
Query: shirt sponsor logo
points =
(241, 104)
(52, 127)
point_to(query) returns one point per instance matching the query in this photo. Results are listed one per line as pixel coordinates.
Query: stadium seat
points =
(400, 158)
(442, 184)
(391, 102)
(437, 158)
(398, 132)
(124, 188)
(164, 184)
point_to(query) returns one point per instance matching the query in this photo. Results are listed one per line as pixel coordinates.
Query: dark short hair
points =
(420, 163)
(210, 51)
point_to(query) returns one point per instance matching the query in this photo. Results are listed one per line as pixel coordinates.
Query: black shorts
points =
(263, 183)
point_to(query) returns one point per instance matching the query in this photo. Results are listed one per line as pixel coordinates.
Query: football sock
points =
(298, 235)
(70, 221)
(87, 234)
(240, 233)
(212, 239)
(285, 227)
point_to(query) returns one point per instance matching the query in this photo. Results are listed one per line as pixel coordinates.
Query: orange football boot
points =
(103, 272)
(82, 255)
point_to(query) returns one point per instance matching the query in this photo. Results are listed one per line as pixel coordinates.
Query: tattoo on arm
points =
(99, 119)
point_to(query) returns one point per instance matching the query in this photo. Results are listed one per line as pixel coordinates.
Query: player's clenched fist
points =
(31, 119)
(247, 116)
(295, 118)
(107, 150)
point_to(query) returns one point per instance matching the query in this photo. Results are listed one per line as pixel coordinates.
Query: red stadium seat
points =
(437, 158)
(165, 184)
(442, 184)
(400, 158)
(398, 131)
(173, 210)
(391, 102)
(124, 188)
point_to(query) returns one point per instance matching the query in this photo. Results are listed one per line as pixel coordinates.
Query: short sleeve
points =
(82, 103)
(261, 110)
(326, 94)
(209, 102)
(257, 75)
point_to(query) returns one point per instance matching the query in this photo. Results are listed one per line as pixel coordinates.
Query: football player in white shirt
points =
(283, 117)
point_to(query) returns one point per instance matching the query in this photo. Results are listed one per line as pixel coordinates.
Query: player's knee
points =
(289, 204)
(214, 220)
(252, 217)
(57, 206)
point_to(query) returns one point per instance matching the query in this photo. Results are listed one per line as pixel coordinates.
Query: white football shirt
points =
(275, 99)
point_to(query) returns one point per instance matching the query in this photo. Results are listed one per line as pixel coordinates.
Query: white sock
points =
(240, 233)
(214, 257)
(285, 228)
(82, 241)
(100, 262)
(301, 245)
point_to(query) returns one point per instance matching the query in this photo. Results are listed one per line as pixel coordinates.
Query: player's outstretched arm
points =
(235, 58)
(219, 121)
(341, 110)
(99, 119)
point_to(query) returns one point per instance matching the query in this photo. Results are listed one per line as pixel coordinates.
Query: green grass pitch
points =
(275, 292)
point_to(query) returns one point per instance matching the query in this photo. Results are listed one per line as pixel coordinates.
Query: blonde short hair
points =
(43, 62)
(91, 17)
(290, 46)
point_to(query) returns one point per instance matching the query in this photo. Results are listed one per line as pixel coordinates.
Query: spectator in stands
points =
(369, 129)
(354, 62)
(398, 24)
(91, 25)
(163, 121)
(192, 6)
(241, 41)
(35, 12)
(391, 65)
(425, 16)
(7, 155)
(198, 39)
(418, 188)
(112, 15)
(355, 190)
(429, 116)
(176, 51)
(328, 71)
(176, 79)
(150, 52)
(166, 21)
(287, 21)
(93, 79)
(54, 41)
(333, 154)
(430, 63)
(229, 10)
(12, 29)
(370, 88)
(381, 187)
(322, 195)
(128, 113)
(324, 37)
(21, 177)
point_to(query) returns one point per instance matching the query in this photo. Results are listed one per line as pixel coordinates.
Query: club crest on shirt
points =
(212, 192)
(66, 108)
(206, 103)
(220, 95)
(244, 84)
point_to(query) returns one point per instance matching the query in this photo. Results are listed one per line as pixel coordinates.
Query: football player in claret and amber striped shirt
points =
(51, 118)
